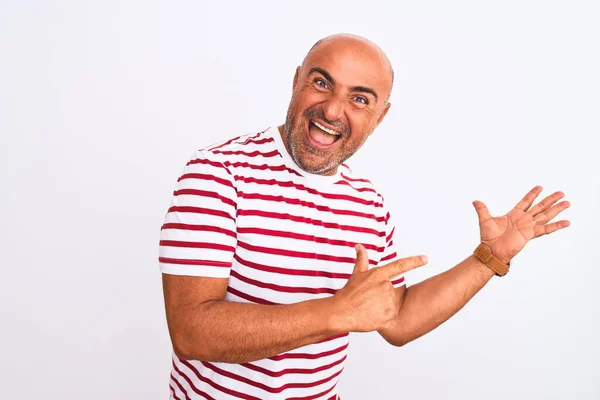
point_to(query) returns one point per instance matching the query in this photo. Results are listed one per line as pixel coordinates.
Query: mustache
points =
(318, 113)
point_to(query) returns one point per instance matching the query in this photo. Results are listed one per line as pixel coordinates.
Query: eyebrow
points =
(328, 76)
(365, 90)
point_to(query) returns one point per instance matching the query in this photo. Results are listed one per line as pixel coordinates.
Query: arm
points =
(430, 303)
(425, 306)
(197, 245)
(205, 327)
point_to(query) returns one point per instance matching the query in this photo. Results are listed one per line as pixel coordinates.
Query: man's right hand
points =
(368, 300)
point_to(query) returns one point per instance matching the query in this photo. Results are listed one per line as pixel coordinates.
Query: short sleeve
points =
(198, 236)
(390, 252)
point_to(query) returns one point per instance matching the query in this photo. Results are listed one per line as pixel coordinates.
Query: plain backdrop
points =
(101, 103)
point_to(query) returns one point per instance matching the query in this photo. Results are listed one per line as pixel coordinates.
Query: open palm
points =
(508, 234)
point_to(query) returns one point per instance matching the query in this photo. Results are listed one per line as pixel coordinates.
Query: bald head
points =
(340, 95)
(360, 44)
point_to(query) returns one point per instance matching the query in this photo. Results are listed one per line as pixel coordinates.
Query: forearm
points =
(240, 332)
(428, 304)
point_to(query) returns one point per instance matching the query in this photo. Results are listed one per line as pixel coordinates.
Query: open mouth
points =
(320, 136)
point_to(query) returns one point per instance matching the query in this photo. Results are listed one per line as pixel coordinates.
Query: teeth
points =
(330, 131)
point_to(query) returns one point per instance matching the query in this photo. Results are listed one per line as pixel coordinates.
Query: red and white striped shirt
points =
(244, 210)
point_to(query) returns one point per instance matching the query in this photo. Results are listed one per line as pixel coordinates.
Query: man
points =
(273, 250)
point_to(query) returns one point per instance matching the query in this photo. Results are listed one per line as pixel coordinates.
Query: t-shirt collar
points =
(273, 131)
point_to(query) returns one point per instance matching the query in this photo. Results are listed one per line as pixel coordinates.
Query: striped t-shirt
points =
(244, 210)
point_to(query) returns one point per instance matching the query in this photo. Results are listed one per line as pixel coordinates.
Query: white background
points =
(101, 103)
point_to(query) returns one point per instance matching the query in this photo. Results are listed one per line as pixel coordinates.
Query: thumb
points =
(362, 259)
(482, 211)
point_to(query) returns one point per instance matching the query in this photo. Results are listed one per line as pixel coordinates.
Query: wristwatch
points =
(484, 253)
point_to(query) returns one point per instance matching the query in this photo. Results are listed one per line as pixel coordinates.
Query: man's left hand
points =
(508, 234)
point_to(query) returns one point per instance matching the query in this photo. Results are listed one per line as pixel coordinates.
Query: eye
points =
(321, 83)
(362, 100)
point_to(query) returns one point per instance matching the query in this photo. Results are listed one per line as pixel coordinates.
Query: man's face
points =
(339, 98)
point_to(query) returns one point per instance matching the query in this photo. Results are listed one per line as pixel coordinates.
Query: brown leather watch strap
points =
(484, 253)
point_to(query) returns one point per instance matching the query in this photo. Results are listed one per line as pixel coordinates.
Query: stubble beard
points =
(293, 130)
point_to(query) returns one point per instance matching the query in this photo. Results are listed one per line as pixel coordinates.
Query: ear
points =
(383, 113)
(296, 75)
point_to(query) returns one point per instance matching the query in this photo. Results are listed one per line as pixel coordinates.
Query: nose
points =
(333, 108)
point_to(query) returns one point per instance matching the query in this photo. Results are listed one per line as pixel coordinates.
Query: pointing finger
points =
(403, 265)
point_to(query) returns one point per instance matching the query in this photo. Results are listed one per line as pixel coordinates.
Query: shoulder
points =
(359, 184)
(243, 144)
(226, 153)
